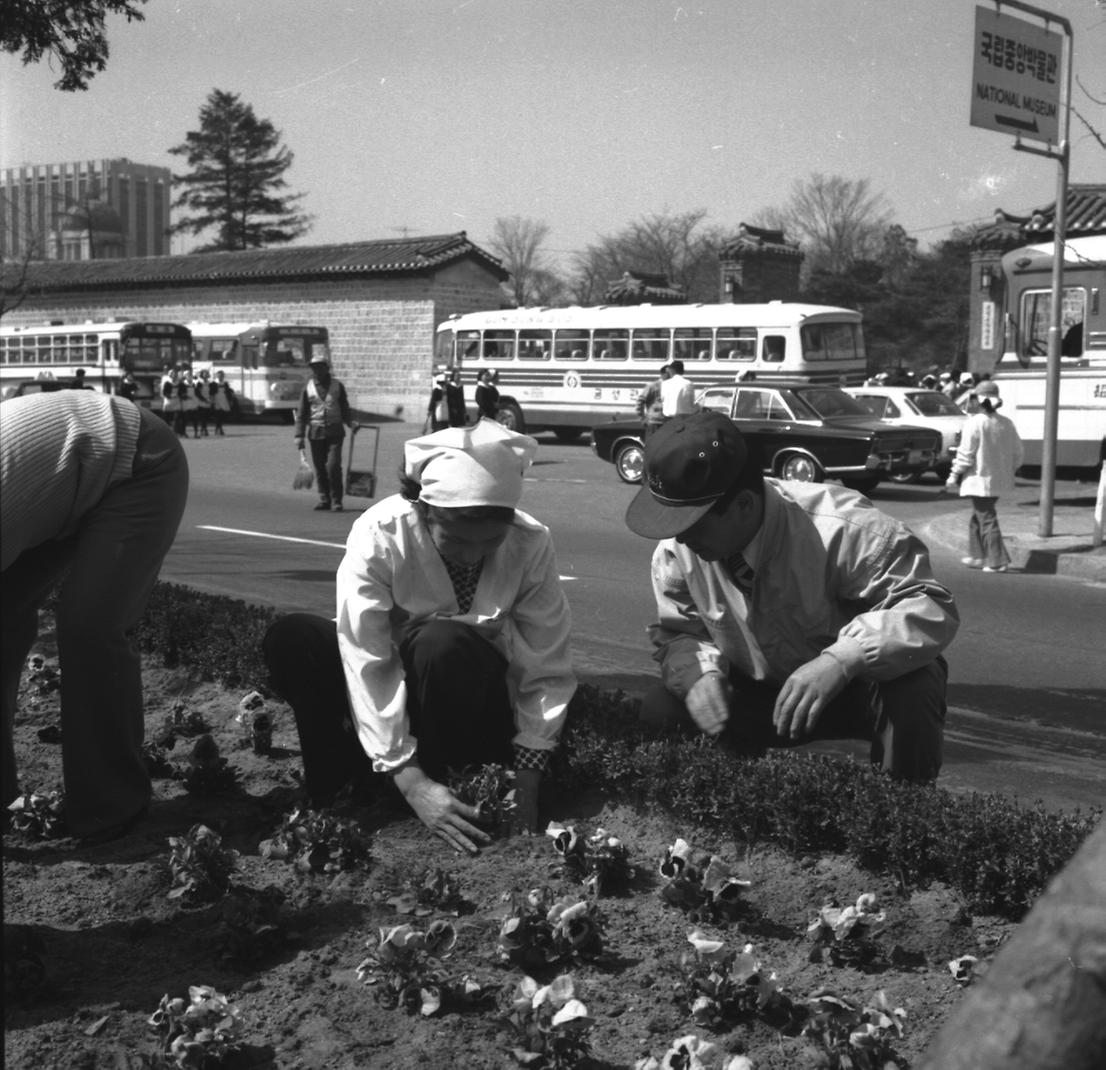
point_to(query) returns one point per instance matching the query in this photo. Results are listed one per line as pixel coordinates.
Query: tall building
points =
(86, 210)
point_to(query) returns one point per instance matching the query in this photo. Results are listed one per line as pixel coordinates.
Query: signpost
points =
(1021, 85)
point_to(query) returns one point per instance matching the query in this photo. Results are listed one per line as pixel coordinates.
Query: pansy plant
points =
(846, 933)
(540, 929)
(200, 1032)
(318, 841)
(199, 865)
(600, 861)
(432, 891)
(854, 1037)
(701, 883)
(39, 815)
(693, 1053)
(490, 789)
(550, 1024)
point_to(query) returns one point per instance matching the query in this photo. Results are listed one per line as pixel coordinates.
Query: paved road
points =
(1027, 681)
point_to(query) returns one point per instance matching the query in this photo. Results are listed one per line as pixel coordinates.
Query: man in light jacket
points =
(322, 416)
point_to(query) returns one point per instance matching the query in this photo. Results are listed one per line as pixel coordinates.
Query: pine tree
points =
(236, 183)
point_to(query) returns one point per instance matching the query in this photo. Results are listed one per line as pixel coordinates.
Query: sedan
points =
(804, 432)
(913, 405)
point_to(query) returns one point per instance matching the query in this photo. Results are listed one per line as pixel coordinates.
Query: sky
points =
(434, 116)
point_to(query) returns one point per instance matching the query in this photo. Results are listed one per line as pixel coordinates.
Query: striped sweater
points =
(59, 454)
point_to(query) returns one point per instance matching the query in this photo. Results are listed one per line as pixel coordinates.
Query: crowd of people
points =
(958, 386)
(196, 401)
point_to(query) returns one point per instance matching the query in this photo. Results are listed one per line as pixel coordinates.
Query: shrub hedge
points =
(998, 854)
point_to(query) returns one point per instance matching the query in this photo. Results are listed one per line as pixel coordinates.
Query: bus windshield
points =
(829, 401)
(832, 341)
(288, 352)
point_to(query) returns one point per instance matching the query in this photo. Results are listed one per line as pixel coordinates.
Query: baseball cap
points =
(317, 359)
(986, 389)
(690, 462)
(967, 379)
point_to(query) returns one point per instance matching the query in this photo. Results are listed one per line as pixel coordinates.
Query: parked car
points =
(803, 431)
(33, 386)
(899, 405)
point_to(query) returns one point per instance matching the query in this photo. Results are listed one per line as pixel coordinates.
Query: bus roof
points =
(772, 314)
(1089, 251)
(91, 327)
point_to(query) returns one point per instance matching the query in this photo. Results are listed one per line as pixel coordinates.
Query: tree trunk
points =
(1042, 1004)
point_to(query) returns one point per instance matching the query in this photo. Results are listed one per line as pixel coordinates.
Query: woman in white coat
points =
(989, 454)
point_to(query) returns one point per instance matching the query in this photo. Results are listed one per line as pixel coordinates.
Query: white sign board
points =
(1016, 77)
(987, 327)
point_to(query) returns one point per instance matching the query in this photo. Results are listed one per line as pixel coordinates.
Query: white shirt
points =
(393, 575)
(678, 396)
(989, 454)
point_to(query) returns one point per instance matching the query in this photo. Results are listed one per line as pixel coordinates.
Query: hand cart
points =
(361, 482)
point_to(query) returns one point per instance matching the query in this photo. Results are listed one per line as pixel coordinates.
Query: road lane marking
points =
(292, 538)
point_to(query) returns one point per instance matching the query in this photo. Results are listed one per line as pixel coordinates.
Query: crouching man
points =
(788, 612)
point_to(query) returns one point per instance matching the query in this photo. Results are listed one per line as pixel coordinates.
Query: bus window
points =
(284, 353)
(468, 345)
(1037, 315)
(736, 343)
(650, 344)
(692, 343)
(773, 349)
(611, 345)
(535, 345)
(443, 348)
(499, 345)
(829, 341)
(570, 345)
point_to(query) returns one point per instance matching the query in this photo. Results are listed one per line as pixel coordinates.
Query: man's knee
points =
(298, 640)
(659, 707)
(912, 722)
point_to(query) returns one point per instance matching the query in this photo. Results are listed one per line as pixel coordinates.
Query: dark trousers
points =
(903, 719)
(326, 457)
(109, 568)
(458, 707)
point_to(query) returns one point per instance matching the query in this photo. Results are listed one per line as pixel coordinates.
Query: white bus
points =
(566, 369)
(46, 356)
(265, 363)
(1081, 415)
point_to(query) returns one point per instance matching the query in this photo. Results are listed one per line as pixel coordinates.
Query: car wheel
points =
(510, 416)
(864, 484)
(799, 468)
(568, 434)
(906, 477)
(629, 462)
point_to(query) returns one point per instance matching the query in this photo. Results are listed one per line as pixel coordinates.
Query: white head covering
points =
(460, 467)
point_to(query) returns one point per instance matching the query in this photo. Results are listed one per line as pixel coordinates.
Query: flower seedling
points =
(157, 761)
(180, 722)
(490, 789)
(318, 841)
(722, 987)
(433, 891)
(540, 930)
(692, 1053)
(853, 1038)
(701, 884)
(252, 923)
(200, 866)
(846, 934)
(963, 969)
(203, 1032)
(407, 970)
(257, 721)
(551, 1023)
(208, 772)
(43, 678)
(39, 815)
(600, 861)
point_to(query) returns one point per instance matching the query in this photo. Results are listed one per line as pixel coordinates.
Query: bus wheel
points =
(799, 468)
(629, 462)
(568, 434)
(510, 416)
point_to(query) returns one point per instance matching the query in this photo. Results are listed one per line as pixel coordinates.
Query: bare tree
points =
(518, 242)
(73, 34)
(676, 245)
(837, 220)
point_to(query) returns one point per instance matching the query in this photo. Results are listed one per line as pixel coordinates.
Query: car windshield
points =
(934, 403)
(828, 401)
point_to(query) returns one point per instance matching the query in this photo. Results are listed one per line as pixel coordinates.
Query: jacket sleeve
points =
(541, 665)
(302, 415)
(682, 643)
(964, 461)
(374, 671)
(910, 617)
(343, 405)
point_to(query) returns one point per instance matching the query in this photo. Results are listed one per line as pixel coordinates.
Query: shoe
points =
(115, 832)
(322, 507)
(996, 568)
(972, 562)
(338, 508)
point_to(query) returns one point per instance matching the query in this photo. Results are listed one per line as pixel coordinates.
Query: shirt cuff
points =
(528, 758)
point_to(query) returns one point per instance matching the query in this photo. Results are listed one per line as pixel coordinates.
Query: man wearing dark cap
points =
(788, 612)
(322, 416)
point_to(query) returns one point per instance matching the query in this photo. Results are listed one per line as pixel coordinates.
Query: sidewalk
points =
(1067, 552)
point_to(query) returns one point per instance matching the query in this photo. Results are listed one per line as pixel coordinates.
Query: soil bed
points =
(111, 943)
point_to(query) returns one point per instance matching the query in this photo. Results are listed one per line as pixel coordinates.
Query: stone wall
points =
(381, 329)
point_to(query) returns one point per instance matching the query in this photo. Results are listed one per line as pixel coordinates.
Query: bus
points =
(265, 363)
(1081, 414)
(567, 369)
(47, 356)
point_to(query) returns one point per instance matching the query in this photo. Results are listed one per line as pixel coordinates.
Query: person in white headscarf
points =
(451, 646)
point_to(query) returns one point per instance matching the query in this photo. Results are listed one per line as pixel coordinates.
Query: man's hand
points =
(298, 442)
(527, 782)
(440, 810)
(805, 694)
(709, 702)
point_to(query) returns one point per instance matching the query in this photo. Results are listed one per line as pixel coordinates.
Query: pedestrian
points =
(202, 388)
(989, 454)
(78, 382)
(788, 612)
(487, 395)
(447, 401)
(677, 392)
(170, 400)
(947, 384)
(648, 403)
(322, 416)
(451, 646)
(190, 405)
(222, 400)
(128, 387)
(455, 399)
(93, 489)
(963, 389)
